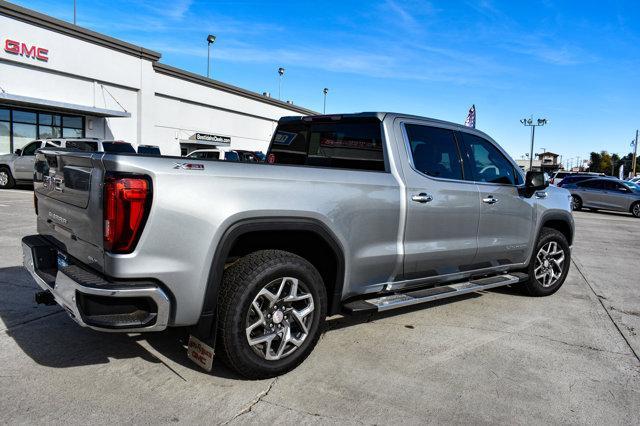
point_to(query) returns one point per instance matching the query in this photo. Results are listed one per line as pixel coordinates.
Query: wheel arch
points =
(561, 222)
(237, 240)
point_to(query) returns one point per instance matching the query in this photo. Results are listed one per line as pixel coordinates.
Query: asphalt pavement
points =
(493, 358)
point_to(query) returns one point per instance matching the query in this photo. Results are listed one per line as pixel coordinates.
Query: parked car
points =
(605, 194)
(18, 167)
(214, 154)
(559, 176)
(360, 213)
(635, 179)
(149, 150)
(579, 178)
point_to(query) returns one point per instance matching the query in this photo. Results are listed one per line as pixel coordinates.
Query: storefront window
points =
(5, 133)
(23, 134)
(24, 117)
(19, 127)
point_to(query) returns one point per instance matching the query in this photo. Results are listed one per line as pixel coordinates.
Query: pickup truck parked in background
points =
(354, 213)
(18, 167)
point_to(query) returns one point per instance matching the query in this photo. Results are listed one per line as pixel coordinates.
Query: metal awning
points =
(25, 101)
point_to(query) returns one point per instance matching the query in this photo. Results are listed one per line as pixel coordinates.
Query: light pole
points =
(635, 152)
(210, 39)
(324, 107)
(74, 12)
(280, 73)
(533, 124)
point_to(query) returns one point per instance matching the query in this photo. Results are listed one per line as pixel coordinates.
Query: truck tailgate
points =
(68, 187)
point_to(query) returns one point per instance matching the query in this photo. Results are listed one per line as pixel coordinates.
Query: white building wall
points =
(164, 108)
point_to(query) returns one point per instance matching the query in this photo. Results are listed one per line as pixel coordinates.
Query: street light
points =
(324, 107)
(533, 124)
(280, 73)
(210, 39)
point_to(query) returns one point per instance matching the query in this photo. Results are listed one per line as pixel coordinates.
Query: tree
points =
(595, 162)
(605, 162)
(615, 163)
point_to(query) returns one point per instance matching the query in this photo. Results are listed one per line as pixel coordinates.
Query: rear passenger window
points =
(591, 184)
(353, 144)
(487, 163)
(434, 151)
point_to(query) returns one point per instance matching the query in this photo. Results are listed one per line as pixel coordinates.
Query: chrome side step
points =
(415, 297)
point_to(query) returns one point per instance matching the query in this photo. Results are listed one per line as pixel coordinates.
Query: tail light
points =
(126, 205)
(271, 158)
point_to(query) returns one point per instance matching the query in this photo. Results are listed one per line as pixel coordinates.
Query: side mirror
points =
(535, 181)
(18, 151)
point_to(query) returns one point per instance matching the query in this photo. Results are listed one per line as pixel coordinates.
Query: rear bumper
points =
(91, 300)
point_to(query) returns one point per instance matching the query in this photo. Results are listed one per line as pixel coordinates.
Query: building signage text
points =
(30, 51)
(212, 138)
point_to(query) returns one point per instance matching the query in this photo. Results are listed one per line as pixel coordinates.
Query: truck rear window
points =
(342, 145)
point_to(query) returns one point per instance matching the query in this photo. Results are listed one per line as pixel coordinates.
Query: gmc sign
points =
(18, 48)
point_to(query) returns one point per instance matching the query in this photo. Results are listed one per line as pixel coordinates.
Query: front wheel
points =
(550, 263)
(271, 309)
(635, 209)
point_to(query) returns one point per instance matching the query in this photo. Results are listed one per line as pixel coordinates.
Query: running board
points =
(415, 297)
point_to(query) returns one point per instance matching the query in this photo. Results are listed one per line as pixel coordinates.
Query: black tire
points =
(240, 285)
(6, 179)
(576, 202)
(635, 209)
(535, 287)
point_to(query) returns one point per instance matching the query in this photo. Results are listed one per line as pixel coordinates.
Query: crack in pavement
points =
(321, 416)
(606, 310)
(253, 403)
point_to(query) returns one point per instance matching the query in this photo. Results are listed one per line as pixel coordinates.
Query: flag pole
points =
(635, 151)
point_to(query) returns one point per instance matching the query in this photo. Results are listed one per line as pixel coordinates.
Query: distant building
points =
(545, 161)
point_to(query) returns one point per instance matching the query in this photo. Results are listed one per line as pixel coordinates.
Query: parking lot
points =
(499, 357)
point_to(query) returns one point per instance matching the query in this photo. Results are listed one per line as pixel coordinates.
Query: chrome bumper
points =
(66, 291)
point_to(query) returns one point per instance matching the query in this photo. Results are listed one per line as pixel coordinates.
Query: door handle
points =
(422, 198)
(490, 200)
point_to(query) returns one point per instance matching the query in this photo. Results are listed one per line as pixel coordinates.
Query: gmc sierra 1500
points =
(352, 213)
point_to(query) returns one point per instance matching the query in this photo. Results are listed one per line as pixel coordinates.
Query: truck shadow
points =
(51, 338)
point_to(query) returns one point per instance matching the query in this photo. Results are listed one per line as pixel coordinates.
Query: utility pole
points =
(635, 152)
(324, 106)
(280, 73)
(529, 122)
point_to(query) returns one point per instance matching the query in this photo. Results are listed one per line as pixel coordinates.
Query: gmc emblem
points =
(22, 49)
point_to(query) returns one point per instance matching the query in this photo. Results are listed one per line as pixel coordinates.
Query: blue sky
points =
(575, 63)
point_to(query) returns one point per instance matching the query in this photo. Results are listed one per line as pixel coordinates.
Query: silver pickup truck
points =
(353, 213)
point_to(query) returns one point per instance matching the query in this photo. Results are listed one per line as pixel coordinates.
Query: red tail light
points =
(271, 159)
(126, 204)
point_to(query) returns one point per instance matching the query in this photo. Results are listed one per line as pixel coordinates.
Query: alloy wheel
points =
(279, 318)
(4, 178)
(636, 210)
(549, 262)
(576, 204)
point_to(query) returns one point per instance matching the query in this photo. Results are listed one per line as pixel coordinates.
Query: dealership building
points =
(61, 80)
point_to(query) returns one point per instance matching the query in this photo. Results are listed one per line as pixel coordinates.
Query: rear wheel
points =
(635, 209)
(271, 310)
(6, 180)
(576, 202)
(550, 263)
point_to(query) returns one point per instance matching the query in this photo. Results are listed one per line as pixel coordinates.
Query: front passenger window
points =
(434, 151)
(487, 163)
(31, 148)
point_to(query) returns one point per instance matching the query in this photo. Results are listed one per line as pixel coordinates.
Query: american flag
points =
(471, 117)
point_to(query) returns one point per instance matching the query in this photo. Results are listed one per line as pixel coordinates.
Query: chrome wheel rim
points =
(279, 318)
(549, 264)
(636, 210)
(4, 178)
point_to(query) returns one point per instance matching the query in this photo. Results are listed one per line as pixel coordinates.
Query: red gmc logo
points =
(23, 49)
